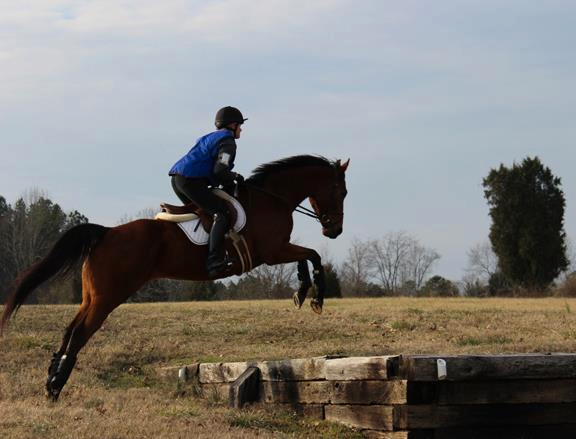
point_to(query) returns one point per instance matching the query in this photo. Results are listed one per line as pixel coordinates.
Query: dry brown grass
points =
(115, 392)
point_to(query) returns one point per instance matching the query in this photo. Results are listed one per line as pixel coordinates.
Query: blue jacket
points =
(200, 160)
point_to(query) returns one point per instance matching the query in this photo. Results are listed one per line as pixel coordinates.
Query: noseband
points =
(328, 219)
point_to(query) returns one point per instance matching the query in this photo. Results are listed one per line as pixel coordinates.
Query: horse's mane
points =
(260, 174)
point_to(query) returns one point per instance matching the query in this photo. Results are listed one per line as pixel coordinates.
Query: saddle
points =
(190, 216)
(191, 211)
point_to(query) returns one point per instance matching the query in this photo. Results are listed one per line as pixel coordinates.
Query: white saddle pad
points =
(196, 232)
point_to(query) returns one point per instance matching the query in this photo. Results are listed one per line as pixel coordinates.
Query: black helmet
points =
(227, 115)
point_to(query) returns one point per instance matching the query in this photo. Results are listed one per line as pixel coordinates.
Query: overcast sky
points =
(98, 98)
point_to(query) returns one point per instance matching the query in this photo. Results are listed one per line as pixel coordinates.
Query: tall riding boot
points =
(216, 260)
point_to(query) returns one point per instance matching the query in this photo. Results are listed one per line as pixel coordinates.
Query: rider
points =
(210, 163)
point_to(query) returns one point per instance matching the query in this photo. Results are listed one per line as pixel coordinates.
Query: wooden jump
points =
(411, 396)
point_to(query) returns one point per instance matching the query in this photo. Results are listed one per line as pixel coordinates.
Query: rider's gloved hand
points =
(239, 178)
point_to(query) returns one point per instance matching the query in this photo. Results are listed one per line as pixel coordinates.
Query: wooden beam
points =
(334, 392)
(301, 369)
(172, 372)
(408, 417)
(221, 372)
(245, 389)
(368, 392)
(358, 368)
(304, 392)
(514, 432)
(492, 392)
(488, 367)
(374, 417)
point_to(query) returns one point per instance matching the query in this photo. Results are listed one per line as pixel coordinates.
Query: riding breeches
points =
(196, 190)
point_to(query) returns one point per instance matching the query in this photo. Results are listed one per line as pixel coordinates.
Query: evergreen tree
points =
(4, 267)
(437, 286)
(3, 207)
(527, 211)
(499, 285)
(332, 281)
(28, 230)
(74, 218)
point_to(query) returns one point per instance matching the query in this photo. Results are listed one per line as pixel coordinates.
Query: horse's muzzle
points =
(332, 232)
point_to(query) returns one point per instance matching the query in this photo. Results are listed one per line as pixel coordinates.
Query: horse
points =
(117, 261)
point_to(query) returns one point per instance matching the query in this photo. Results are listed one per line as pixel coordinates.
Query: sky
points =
(98, 98)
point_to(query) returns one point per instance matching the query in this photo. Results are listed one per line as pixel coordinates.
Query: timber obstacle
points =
(410, 396)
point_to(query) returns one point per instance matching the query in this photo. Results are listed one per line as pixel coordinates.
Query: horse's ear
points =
(344, 165)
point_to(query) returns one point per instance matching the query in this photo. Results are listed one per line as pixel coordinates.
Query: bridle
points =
(303, 209)
(326, 219)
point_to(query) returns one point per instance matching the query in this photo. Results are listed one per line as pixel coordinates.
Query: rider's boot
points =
(217, 262)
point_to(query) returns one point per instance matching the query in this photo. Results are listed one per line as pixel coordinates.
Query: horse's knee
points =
(316, 260)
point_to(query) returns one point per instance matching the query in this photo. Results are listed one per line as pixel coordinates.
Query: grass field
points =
(115, 392)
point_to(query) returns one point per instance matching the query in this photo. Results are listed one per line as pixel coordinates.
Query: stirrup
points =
(219, 267)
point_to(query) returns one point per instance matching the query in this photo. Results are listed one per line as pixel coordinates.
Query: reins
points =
(303, 209)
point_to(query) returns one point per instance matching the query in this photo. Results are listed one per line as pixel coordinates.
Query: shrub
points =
(568, 287)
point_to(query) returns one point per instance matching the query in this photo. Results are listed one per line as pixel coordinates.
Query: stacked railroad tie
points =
(412, 396)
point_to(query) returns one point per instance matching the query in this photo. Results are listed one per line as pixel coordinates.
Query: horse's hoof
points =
(297, 302)
(316, 306)
(52, 393)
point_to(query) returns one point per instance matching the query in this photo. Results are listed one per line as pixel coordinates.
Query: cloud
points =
(219, 20)
(47, 40)
(32, 15)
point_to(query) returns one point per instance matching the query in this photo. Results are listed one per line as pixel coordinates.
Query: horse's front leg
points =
(296, 253)
(305, 283)
(317, 302)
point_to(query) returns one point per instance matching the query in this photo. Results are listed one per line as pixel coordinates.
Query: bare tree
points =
(146, 213)
(395, 260)
(265, 282)
(355, 272)
(571, 254)
(482, 262)
(419, 263)
(326, 255)
(275, 280)
(388, 258)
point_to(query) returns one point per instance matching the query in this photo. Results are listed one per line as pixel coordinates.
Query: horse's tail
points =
(71, 248)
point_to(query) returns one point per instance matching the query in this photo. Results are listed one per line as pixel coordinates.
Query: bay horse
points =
(118, 261)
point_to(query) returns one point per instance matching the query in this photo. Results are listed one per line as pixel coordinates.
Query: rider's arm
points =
(225, 162)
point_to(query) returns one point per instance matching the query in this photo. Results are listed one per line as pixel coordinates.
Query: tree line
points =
(28, 229)
(526, 254)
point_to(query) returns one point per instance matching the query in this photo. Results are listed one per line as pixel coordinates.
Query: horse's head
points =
(328, 200)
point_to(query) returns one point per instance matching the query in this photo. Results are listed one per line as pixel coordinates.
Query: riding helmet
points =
(227, 115)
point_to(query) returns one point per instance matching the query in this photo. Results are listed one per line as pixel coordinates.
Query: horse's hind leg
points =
(89, 322)
(57, 356)
(86, 299)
